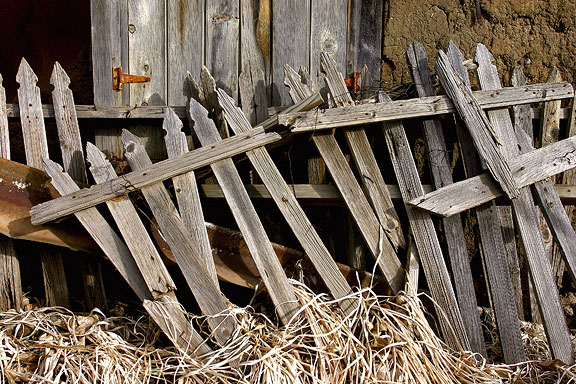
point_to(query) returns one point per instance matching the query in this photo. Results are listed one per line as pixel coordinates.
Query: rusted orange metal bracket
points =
(119, 78)
(353, 82)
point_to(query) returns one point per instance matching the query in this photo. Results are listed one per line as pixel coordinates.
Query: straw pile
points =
(385, 340)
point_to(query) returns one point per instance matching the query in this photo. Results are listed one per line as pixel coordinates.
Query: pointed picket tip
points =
(59, 76)
(93, 154)
(518, 77)
(129, 138)
(483, 54)
(237, 120)
(457, 59)
(555, 76)
(172, 122)
(51, 165)
(25, 74)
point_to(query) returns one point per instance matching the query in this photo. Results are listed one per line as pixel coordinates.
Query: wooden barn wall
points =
(165, 39)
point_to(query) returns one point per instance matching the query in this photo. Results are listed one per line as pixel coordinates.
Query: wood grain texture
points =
(187, 194)
(185, 46)
(365, 27)
(157, 112)
(10, 283)
(328, 36)
(549, 133)
(364, 159)
(207, 293)
(147, 41)
(482, 132)
(253, 94)
(133, 231)
(67, 124)
(522, 113)
(101, 232)
(527, 169)
(160, 171)
(498, 245)
(355, 200)
(442, 175)
(171, 318)
(425, 237)
(557, 219)
(421, 107)
(245, 215)
(36, 149)
(106, 48)
(509, 237)
(329, 194)
(73, 160)
(222, 40)
(290, 43)
(31, 118)
(251, 53)
(290, 208)
(4, 129)
(527, 219)
(109, 19)
(569, 177)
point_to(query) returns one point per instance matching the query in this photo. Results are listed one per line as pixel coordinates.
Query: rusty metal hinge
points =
(119, 78)
(353, 82)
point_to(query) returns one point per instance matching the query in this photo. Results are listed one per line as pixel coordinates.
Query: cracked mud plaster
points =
(534, 34)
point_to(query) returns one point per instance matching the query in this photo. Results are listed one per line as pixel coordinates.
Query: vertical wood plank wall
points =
(166, 39)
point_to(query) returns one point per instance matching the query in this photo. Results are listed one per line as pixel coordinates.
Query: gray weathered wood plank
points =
(187, 194)
(421, 107)
(329, 194)
(253, 94)
(67, 124)
(10, 283)
(171, 319)
(453, 229)
(290, 43)
(556, 217)
(481, 130)
(133, 231)
(251, 54)
(109, 19)
(527, 169)
(327, 36)
(527, 219)
(495, 241)
(245, 215)
(355, 200)
(185, 46)
(36, 149)
(206, 291)
(549, 133)
(160, 171)
(101, 232)
(73, 160)
(425, 237)
(222, 40)
(371, 176)
(290, 208)
(157, 112)
(365, 28)
(522, 113)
